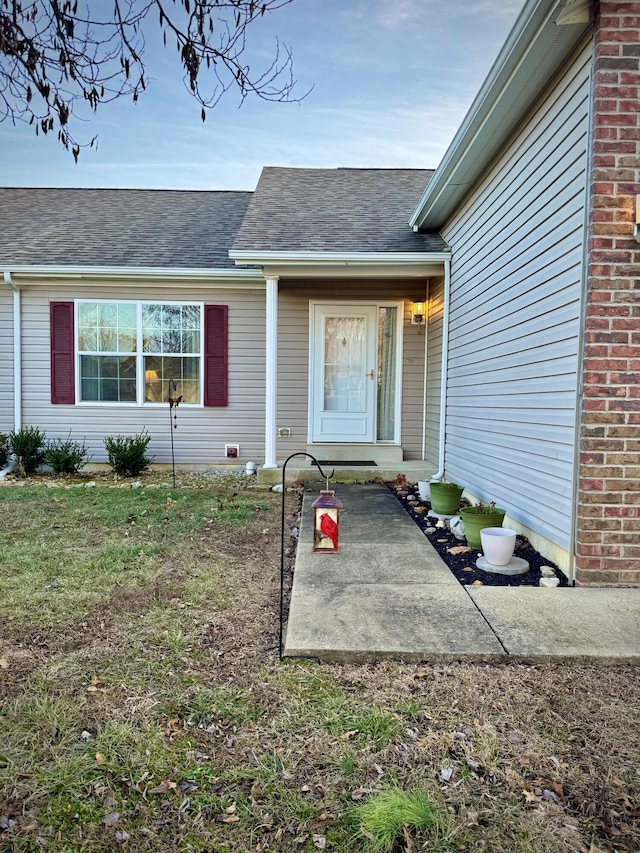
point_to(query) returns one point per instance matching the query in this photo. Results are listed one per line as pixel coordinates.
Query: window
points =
(139, 352)
(127, 354)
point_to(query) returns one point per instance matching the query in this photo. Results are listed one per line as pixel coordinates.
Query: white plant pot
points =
(498, 544)
(423, 490)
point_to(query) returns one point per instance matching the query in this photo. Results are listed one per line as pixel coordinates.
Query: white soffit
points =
(542, 39)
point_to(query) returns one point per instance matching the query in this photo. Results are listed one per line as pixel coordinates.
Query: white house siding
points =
(293, 354)
(6, 361)
(517, 246)
(201, 432)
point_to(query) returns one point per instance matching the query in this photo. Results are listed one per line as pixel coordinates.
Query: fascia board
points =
(231, 277)
(338, 258)
(532, 54)
(353, 271)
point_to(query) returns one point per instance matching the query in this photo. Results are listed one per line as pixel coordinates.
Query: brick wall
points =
(608, 540)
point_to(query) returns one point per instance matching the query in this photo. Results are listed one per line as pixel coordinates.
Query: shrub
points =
(126, 453)
(4, 450)
(28, 445)
(66, 457)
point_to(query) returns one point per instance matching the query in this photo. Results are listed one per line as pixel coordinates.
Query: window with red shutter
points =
(62, 353)
(215, 355)
(167, 353)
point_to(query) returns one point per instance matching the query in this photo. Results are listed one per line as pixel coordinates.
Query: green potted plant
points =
(445, 497)
(476, 518)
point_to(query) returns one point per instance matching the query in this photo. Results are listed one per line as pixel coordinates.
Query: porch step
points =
(379, 454)
(413, 470)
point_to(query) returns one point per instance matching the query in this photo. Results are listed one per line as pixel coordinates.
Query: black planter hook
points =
(284, 490)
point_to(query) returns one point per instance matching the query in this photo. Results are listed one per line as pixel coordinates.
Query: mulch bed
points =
(463, 565)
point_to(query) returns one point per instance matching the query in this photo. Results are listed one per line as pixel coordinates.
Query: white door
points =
(343, 373)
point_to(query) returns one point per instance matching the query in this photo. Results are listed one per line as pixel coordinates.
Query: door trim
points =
(351, 303)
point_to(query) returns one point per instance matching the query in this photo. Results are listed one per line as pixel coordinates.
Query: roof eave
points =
(336, 258)
(345, 264)
(47, 272)
(542, 38)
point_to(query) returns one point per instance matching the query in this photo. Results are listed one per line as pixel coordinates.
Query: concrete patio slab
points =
(359, 623)
(564, 623)
(388, 594)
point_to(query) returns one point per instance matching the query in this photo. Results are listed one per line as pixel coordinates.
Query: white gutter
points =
(338, 258)
(443, 373)
(156, 274)
(17, 351)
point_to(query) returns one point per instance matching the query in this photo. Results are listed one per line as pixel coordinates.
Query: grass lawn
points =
(143, 706)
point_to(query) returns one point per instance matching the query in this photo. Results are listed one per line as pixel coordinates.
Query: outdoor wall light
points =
(636, 220)
(417, 315)
(326, 523)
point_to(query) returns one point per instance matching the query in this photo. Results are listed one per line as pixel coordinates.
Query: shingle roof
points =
(120, 228)
(336, 210)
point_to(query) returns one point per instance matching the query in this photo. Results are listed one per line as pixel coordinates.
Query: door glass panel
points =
(344, 370)
(387, 329)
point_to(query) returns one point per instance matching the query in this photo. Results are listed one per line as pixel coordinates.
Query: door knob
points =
(370, 374)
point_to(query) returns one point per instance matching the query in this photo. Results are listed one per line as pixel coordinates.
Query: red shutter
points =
(215, 354)
(62, 353)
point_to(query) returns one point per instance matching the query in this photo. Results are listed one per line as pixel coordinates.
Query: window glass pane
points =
(173, 376)
(387, 350)
(87, 314)
(344, 345)
(126, 341)
(127, 315)
(171, 328)
(107, 339)
(191, 317)
(87, 338)
(105, 378)
(191, 342)
(107, 327)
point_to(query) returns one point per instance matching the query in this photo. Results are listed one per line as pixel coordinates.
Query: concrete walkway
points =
(387, 594)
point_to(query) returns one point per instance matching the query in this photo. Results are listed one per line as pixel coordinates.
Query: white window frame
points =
(139, 354)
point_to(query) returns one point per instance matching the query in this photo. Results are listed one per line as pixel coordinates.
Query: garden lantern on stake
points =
(326, 522)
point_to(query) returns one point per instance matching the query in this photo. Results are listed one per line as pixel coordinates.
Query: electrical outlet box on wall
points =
(232, 451)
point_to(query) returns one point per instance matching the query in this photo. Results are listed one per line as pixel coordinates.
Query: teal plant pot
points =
(445, 498)
(475, 521)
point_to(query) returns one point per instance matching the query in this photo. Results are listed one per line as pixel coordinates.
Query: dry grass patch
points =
(143, 706)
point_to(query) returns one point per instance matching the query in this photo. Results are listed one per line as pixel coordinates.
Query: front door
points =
(343, 373)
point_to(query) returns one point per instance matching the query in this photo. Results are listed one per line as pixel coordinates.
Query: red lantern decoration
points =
(326, 523)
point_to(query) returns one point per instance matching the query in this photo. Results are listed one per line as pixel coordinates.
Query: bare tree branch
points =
(55, 55)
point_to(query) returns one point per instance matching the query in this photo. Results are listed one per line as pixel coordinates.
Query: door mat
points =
(357, 463)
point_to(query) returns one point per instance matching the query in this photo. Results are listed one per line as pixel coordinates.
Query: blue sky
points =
(392, 80)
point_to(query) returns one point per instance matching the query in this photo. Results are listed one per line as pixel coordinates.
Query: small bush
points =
(126, 453)
(4, 450)
(28, 445)
(66, 457)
